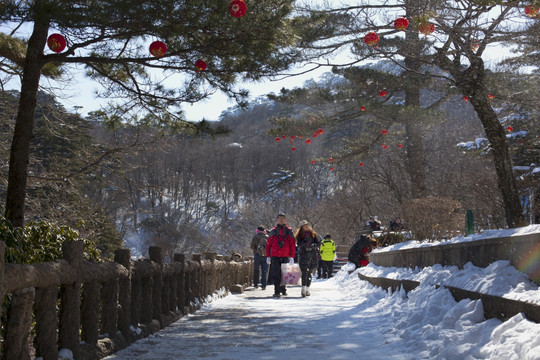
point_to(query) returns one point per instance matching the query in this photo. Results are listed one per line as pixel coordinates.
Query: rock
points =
(237, 289)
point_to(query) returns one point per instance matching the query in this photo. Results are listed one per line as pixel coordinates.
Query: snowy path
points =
(327, 325)
(345, 318)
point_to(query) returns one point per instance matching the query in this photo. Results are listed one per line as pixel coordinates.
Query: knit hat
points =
(328, 236)
(303, 222)
(260, 229)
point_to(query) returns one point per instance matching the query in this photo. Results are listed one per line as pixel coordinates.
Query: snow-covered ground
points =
(526, 230)
(345, 318)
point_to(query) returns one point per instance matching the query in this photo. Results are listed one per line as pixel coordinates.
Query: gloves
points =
(291, 260)
(268, 260)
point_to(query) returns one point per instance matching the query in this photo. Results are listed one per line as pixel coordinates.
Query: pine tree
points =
(110, 39)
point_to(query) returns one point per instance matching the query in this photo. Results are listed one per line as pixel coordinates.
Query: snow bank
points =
(499, 279)
(531, 229)
(429, 324)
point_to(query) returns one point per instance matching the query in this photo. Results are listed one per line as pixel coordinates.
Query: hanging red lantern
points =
(308, 141)
(293, 149)
(314, 135)
(384, 146)
(362, 108)
(331, 159)
(238, 8)
(200, 65)
(158, 49)
(331, 169)
(382, 93)
(371, 38)
(292, 137)
(321, 131)
(509, 128)
(313, 162)
(56, 42)
(384, 132)
(491, 97)
(400, 146)
(401, 23)
(283, 136)
(426, 28)
(278, 139)
(532, 10)
(361, 164)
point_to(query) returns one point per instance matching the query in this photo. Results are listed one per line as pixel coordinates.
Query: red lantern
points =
(321, 131)
(371, 38)
(384, 132)
(278, 139)
(315, 134)
(292, 137)
(56, 42)
(384, 146)
(532, 10)
(331, 159)
(400, 146)
(466, 99)
(362, 108)
(361, 164)
(426, 28)
(331, 169)
(308, 141)
(293, 149)
(238, 8)
(509, 128)
(313, 162)
(283, 136)
(491, 97)
(401, 23)
(158, 49)
(291, 142)
(200, 65)
(382, 93)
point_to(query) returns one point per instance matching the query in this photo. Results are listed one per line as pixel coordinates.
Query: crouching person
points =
(358, 254)
(280, 249)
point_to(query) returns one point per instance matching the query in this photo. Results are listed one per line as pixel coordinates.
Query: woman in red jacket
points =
(280, 249)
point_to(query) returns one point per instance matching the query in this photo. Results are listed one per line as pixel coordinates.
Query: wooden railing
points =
(95, 309)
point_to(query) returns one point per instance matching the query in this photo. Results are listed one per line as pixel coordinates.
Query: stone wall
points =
(522, 251)
(95, 309)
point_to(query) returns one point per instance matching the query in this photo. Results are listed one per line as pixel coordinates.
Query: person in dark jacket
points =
(308, 253)
(258, 244)
(373, 224)
(280, 249)
(358, 254)
(396, 225)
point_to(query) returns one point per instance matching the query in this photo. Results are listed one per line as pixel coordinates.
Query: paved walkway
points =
(327, 325)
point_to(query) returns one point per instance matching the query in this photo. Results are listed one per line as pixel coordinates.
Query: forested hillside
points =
(190, 193)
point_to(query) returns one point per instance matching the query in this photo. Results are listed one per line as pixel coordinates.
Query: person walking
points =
(308, 249)
(258, 244)
(328, 253)
(280, 249)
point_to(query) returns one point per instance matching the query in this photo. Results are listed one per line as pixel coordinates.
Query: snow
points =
(347, 318)
(526, 230)
(499, 279)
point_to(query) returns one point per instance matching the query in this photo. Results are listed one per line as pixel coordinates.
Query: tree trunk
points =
(416, 162)
(22, 136)
(471, 82)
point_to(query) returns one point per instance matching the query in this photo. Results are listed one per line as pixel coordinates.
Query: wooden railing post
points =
(154, 253)
(196, 278)
(19, 321)
(90, 312)
(180, 289)
(147, 284)
(70, 305)
(109, 308)
(2, 287)
(46, 323)
(123, 257)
